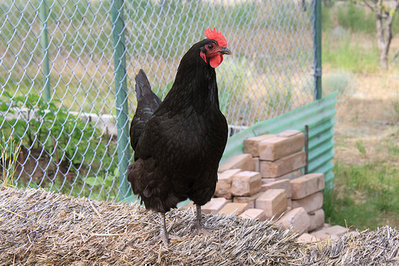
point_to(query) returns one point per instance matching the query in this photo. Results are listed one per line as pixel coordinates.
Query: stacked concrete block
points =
(267, 182)
(282, 184)
(280, 155)
(244, 162)
(254, 214)
(307, 185)
(249, 200)
(234, 208)
(296, 219)
(282, 166)
(316, 219)
(214, 205)
(331, 232)
(223, 186)
(273, 202)
(307, 194)
(251, 145)
(242, 187)
(310, 203)
(246, 183)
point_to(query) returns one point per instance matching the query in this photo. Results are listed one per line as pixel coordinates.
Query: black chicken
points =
(178, 143)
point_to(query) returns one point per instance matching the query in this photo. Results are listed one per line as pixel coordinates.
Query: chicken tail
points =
(143, 87)
(147, 103)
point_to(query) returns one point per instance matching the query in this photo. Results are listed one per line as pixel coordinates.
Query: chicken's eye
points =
(210, 46)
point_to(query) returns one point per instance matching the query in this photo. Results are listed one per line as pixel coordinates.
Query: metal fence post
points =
(118, 34)
(317, 47)
(45, 45)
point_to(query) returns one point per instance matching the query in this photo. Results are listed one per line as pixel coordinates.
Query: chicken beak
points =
(225, 50)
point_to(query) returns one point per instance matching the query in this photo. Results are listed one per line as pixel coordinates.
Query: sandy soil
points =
(368, 114)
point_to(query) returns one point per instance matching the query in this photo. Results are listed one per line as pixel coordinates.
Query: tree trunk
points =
(384, 37)
(384, 11)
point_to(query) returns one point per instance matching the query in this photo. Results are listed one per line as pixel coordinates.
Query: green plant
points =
(65, 137)
(340, 81)
(101, 187)
(360, 147)
(347, 54)
(9, 157)
(355, 18)
(365, 196)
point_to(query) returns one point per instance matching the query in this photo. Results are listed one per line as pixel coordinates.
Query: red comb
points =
(217, 36)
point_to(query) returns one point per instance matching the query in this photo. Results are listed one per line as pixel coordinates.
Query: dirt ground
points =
(367, 115)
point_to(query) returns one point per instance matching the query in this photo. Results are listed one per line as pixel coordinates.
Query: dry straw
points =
(39, 227)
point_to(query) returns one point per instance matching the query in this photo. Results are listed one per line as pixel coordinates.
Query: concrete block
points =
(316, 220)
(233, 208)
(251, 145)
(246, 183)
(214, 205)
(289, 133)
(279, 184)
(289, 204)
(250, 200)
(280, 146)
(292, 175)
(333, 232)
(223, 186)
(309, 203)
(283, 166)
(273, 202)
(256, 164)
(269, 180)
(240, 161)
(296, 219)
(254, 214)
(307, 238)
(307, 185)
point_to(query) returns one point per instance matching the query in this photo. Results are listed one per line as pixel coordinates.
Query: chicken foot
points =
(198, 227)
(164, 234)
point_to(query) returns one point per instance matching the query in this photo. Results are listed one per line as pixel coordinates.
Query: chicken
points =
(179, 142)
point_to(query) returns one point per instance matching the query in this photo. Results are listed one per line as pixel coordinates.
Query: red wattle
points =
(216, 61)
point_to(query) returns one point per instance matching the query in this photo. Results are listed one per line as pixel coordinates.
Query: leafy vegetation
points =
(68, 140)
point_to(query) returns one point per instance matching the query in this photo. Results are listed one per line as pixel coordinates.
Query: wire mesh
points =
(57, 99)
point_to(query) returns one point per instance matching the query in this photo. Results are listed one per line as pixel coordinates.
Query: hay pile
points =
(38, 227)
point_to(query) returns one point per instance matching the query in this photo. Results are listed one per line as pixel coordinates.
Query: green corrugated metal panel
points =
(319, 116)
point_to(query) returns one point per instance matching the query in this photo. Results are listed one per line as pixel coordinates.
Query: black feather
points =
(178, 144)
(147, 103)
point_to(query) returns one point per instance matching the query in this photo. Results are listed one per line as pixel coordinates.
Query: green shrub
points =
(65, 137)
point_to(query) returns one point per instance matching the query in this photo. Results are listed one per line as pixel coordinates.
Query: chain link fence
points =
(65, 64)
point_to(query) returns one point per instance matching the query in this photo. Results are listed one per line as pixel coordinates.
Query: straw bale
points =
(43, 228)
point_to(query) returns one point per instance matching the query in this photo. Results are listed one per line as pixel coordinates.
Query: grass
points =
(365, 193)
(364, 196)
(346, 53)
(9, 154)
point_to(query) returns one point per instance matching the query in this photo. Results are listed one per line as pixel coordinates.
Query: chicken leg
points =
(164, 234)
(198, 227)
